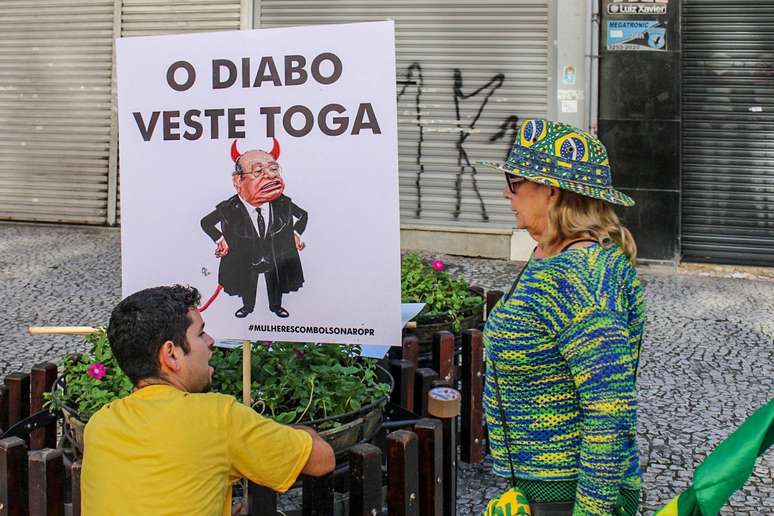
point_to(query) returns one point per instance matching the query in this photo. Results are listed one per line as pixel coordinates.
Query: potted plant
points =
(326, 386)
(451, 304)
(329, 387)
(88, 382)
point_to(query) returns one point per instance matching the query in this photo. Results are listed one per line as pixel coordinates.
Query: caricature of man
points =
(259, 232)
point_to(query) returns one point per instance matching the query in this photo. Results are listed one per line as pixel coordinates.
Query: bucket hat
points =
(560, 155)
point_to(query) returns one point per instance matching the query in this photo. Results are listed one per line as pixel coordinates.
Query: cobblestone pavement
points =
(708, 358)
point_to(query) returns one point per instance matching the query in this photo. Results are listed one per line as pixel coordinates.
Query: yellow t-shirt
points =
(163, 452)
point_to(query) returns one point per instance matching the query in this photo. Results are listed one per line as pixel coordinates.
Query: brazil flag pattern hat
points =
(560, 155)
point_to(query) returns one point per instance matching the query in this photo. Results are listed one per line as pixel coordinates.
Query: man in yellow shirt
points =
(171, 448)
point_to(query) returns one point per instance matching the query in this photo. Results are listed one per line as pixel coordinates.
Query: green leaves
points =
(297, 382)
(446, 297)
(84, 393)
(291, 382)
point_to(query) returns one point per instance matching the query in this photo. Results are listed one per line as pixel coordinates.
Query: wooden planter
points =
(352, 427)
(427, 327)
(356, 426)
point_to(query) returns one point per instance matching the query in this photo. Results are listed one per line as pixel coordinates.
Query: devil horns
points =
(275, 150)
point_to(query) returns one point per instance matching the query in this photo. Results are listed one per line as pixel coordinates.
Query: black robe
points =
(245, 247)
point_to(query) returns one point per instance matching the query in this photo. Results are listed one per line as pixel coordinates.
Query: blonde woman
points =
(562, 347)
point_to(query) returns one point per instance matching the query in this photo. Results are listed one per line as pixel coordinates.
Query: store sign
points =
(636, 35)
(636, 8)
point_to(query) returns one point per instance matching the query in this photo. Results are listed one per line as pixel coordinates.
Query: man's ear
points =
(169, 357)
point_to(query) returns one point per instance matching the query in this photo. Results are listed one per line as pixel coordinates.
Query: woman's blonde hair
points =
(574, 216)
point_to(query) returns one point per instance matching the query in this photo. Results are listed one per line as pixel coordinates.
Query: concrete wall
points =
(571, 71)
(502, 244)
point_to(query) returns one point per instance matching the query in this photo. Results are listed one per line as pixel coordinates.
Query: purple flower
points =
(299, 354)
(438, 265)
(97, 370)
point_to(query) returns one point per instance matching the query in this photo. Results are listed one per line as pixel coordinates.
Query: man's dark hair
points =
(142, 322)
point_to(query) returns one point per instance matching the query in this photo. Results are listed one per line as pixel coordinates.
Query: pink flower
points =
(299, 354)
(97, 370)
(438, 265)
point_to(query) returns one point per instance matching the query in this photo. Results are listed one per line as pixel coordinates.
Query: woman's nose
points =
(507, 192)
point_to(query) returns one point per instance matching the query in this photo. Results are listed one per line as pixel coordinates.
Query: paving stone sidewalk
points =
(708, 358)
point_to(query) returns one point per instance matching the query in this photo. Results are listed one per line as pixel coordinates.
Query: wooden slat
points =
(318, 495)
(395, 353)
(443, 355)
(472, 434)
(4, 401)
(75, 489)
(402, 474)
(365, 469)
(430, 436)
(43, 377)
(18, 397)
(424, 378)
(492, 297)
(46, 483)
(13, 477)
(261, 500)
(403, 373)
(411, 349)
(449, 426)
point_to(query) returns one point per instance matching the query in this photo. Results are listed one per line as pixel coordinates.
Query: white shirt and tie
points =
(252, 212)
(265, 210)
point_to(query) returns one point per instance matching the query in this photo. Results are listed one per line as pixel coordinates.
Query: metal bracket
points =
(26, 426)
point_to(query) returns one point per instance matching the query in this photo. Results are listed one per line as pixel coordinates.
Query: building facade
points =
(683, 104)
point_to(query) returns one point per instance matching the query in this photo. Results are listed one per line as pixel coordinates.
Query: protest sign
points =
(261, 167)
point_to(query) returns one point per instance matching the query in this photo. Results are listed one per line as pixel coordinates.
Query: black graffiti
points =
(463, 161)
(414, 77)
(416, 70)
(508, 126)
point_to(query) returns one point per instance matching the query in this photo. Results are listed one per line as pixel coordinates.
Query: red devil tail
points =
(211, 299)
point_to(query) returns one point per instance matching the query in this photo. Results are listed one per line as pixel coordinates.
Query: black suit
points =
(249, 255)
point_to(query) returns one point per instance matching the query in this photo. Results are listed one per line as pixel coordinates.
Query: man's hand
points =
(299, 243)
(222, 249)
(322, 460)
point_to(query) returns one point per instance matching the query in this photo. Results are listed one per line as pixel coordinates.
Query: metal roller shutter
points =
(154, 17)
(158, 17)
(464, 68)
(55, 110)
(728, 132)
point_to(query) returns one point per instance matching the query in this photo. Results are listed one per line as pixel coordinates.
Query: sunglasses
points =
(513, 182)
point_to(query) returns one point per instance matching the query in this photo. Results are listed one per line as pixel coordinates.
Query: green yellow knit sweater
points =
(566, 345)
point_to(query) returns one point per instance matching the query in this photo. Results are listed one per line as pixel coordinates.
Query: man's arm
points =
(208, 224)
(301, 218)
(321, 460)
(272, 454)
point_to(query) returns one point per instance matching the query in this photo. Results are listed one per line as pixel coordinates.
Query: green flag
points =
(727, 468)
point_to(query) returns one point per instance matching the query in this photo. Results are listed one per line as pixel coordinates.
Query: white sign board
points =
(301, 240)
